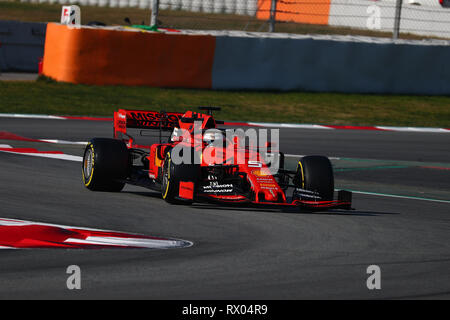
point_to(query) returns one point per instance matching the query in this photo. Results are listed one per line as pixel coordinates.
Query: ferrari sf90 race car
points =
(193, 160)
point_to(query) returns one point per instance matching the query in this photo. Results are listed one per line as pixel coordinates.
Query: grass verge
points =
(48, 97)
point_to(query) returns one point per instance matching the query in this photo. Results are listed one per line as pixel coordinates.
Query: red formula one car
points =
(192, 160)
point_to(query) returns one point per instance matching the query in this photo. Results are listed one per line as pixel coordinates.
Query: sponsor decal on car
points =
(218, 188)
(154, 119)
(261, 172)
(304, 194)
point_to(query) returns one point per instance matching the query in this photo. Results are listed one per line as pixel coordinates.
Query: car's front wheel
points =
(176, 176)
(315, 173)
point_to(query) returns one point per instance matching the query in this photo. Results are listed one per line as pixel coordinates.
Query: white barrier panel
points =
(364, 15)
(435, 23)
(252, 7)
(241, 7)
(144, 4)
(163, 4)
(175, 4)
(196, 5)
(230, 6)
(208, 6)
(219, 6)
(186, 4)
(426, 19)
(123, 3)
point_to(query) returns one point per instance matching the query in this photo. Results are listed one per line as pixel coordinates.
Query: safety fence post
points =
(398, 14)
(272, 19)
(154, 17)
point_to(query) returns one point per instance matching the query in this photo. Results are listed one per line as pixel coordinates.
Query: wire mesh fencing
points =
(408, 18)
(387, 18)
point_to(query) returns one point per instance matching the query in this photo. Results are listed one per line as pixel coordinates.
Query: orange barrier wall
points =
(111, 57)
(301, 11)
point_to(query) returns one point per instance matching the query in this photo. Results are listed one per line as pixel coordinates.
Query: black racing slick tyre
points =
(105, 164)
(172, 174)
(315, 173)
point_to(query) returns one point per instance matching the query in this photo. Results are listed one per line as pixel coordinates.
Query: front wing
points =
(344, 201)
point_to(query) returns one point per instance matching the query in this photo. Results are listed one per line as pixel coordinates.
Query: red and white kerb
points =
(20, 234)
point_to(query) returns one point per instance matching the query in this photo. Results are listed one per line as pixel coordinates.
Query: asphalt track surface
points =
(239, 253)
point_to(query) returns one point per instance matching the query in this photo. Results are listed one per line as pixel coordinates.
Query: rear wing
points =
(163, 121)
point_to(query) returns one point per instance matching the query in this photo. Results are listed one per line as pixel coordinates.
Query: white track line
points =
(367, 128)
(398, 196)
(48, 155)
(289, 125)
(265, 124)
(130, 242)
(414, 129)
(30, 116)
(303, 155)
(64, 141)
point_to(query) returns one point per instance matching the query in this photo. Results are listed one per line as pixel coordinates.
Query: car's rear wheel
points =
(105, 164)
(315, 173)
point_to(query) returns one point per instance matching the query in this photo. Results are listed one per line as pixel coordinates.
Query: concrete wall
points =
(246, 61)
(330, 65)
(21, 45)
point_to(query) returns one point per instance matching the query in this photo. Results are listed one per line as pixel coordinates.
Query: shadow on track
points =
(244, 208)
